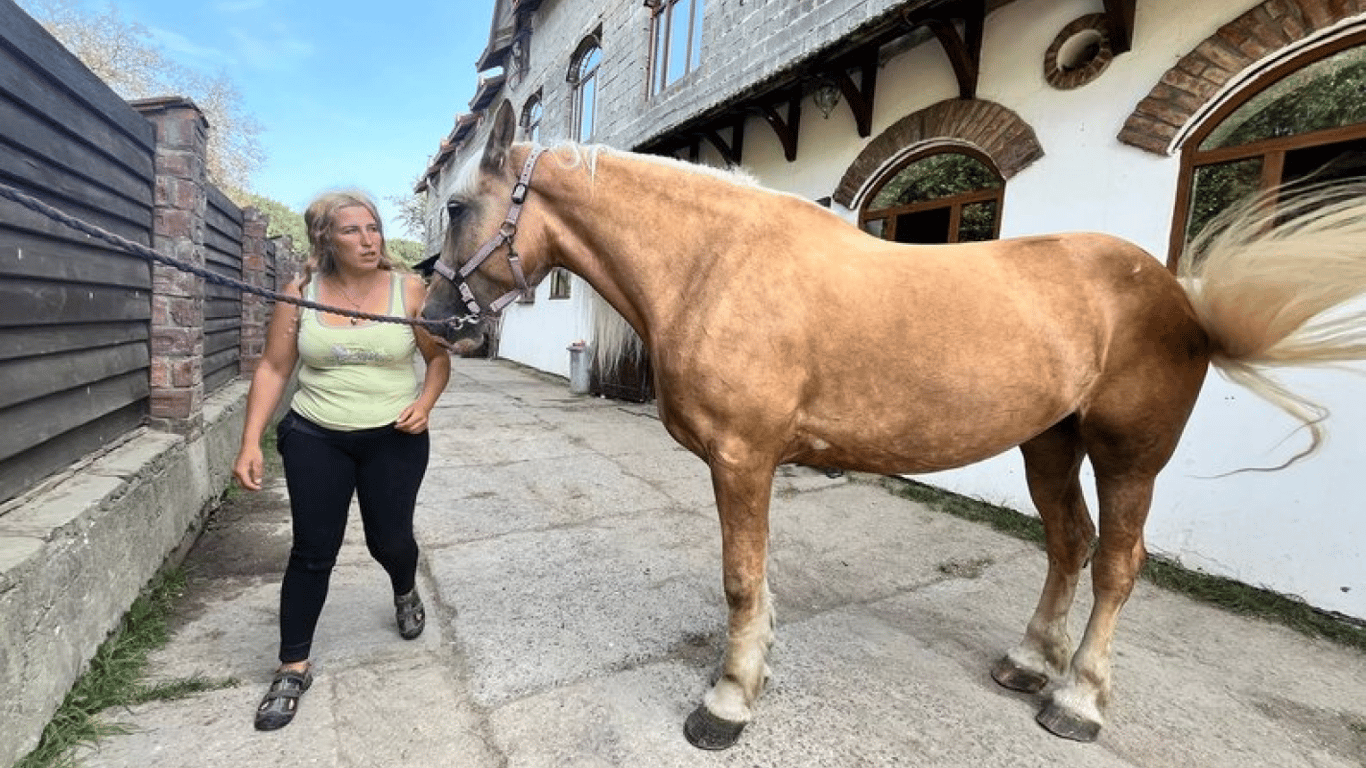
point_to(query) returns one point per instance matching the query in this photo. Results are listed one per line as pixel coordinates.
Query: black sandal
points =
(412, 618)
(282, 700)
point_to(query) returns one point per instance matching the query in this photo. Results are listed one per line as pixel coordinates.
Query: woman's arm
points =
(414, 417)
(267, 388)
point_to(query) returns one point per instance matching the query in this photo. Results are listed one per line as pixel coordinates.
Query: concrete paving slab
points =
(571, 570)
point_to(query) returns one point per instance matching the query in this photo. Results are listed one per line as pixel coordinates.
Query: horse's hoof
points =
(1068, 725)
(1010, 675)
(707, 731)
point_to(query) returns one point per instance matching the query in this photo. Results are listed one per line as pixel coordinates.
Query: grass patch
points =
(1230, 595)
(115, 678)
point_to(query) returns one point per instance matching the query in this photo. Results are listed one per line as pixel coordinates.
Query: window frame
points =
(581, 81)
(560, 283)
(533, 110)
(662, 51)
(955, 202)
(1272, 151)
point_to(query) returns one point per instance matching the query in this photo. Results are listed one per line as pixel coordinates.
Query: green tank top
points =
(355, 376)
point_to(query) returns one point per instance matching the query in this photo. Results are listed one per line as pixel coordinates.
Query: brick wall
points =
(991, 128)
(1205, 72)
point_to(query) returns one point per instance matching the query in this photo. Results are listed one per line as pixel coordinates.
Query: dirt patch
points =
(245, 541)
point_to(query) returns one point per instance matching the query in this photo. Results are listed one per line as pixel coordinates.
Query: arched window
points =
(583, 77)
(939, 196)
(531, 118)
(1302, 121)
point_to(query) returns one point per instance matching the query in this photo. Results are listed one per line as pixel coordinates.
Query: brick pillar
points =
(177, 379)
(254, 308)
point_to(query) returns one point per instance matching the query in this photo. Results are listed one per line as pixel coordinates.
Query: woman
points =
(357, 425)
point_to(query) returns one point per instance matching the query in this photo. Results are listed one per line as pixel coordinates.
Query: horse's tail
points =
(1278, 281)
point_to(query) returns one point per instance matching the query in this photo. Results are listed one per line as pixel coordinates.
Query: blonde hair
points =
(318, 220)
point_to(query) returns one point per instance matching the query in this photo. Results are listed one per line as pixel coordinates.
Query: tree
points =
(407, 252)
(283, 220)
(412, 212)
(122, 54)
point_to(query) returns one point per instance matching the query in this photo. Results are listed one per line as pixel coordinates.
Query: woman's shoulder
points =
(414, 290)
(295, 287)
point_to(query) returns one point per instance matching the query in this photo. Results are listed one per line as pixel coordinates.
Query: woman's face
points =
(356, 238)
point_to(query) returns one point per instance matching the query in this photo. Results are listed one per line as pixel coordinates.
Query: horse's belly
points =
(897, 435)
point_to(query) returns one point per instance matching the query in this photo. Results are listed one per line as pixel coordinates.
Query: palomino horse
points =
(780, 333)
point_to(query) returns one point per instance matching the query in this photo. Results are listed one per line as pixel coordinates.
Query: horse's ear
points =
(500, 138)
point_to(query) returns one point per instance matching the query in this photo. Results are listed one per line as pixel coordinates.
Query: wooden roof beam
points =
(1121, 16)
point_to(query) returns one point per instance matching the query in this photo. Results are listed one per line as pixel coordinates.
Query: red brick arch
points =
(997, 132)
(1201, 75)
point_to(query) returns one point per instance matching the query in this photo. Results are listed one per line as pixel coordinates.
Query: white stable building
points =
(954, 120)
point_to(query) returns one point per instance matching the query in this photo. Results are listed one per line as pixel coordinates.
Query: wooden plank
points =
(76, 155)
(26, 256)
(19, 218)
(33, 302)
(37, 421)
(125, 210)
(63, 75)
(225, 339)
(30, 379)
(23, 471)
(31, 341)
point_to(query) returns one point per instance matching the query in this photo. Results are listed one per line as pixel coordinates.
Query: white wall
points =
(540, 333)
(1301, 531)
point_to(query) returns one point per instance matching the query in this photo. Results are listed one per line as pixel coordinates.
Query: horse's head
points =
(481, 268)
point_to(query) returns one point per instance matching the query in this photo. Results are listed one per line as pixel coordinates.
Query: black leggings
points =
(383, 467)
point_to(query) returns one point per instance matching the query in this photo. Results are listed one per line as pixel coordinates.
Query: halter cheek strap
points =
(504, 236)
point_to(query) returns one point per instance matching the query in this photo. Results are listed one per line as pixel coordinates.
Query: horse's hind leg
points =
(1052, 468)
(742, 500)
(1075, 709)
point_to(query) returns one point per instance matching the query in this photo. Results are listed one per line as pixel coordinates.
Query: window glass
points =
(946, 197)
(586, 94)
(934, 177)
(677, 41)
(1218, 186)
(978, 223)
(1305, 121)
(1325, 94)
(531, 118)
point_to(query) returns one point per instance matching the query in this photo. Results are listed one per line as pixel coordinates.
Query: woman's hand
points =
(250, 467)
(413, 420)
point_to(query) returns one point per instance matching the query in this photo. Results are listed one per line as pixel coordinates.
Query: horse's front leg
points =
(742, 500)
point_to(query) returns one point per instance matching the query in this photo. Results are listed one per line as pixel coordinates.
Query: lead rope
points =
(123, 244)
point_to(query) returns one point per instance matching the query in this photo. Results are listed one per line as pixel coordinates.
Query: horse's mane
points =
(614, 339)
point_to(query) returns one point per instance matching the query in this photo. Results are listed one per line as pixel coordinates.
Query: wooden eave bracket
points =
(860, 97)
(785, 127)
(733, 150)
(964, 50)
(1121, 16)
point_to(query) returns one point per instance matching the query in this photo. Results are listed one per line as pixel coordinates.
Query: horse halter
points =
(504, 236)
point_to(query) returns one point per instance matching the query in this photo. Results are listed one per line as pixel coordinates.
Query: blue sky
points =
(348, 94)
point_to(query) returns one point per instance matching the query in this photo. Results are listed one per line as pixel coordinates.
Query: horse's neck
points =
(622, 227)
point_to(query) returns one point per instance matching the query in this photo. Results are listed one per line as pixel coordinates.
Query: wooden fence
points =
(95, 342)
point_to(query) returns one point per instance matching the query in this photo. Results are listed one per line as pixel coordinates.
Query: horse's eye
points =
(455, 209)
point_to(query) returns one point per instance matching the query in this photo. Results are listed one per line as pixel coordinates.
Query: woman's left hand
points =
(413, 420)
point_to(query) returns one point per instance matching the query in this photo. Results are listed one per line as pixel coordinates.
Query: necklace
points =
(353, 302)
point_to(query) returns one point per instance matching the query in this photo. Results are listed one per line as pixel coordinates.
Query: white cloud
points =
(269, 47)
(184, 49)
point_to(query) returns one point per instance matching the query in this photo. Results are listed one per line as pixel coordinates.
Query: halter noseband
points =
(503, 237)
